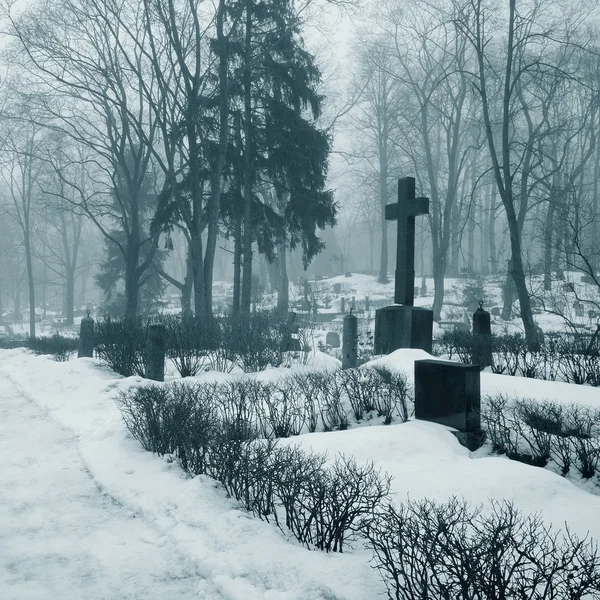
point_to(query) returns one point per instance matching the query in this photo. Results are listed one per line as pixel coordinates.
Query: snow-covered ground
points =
(86, 513)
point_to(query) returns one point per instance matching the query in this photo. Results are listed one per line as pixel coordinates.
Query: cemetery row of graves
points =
(235, 432)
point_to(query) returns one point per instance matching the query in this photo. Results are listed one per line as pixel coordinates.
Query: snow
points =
(85, 512)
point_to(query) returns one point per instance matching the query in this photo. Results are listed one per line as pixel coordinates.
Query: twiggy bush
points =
(428, 550)
(537, 432)
(59, 347)
(191, 343)
(121, 344)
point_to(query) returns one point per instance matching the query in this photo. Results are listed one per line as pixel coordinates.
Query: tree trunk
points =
(70, 295)
(383, 197)
(548, 241)
(188, 285)
(215, 187)
(283, 297)
(246, 295)
(492, 231)
(31, 284)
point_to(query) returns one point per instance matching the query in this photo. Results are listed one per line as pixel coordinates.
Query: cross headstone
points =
(405, 211)
(403, 325)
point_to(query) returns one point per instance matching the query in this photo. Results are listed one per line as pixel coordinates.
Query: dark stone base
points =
(403, 327)
(450, 394)
(472, 440)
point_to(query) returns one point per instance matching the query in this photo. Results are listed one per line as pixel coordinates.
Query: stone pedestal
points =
(350, 342)
(403, 327)
(450, 394)
(155, 352)
(86, 338)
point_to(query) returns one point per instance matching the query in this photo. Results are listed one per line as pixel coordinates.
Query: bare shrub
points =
(190, 342)
(312, 387)
(429, 550)
(286, 411)
(121, 344)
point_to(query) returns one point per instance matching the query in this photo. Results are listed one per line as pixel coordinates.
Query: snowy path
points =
(60, 536)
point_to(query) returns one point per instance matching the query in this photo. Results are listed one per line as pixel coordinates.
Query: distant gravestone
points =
(592, 314)
(155, 352)
(367, 303)
(332, 339)
(496, 311)
(450, 394)
(337, 288)
(348, 274)
(86, 338)
(350, 342)
(353, 304)
(343, 305)
(578, 309)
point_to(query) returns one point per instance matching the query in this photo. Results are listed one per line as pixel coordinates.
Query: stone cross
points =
(405, 211)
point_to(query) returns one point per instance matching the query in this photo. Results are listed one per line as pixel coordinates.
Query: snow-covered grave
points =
(86, 512)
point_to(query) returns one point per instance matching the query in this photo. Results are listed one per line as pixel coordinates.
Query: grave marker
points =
(155, 352)
(482, 337)
(404, 326)
(449, 394)
(350, 342)
(86, 337)
(332, 339)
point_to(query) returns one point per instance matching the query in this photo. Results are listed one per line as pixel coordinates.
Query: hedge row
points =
(539, 433)
(298, 403)
(422, 549)
(251, 342)
(216, 429)
(574, 359)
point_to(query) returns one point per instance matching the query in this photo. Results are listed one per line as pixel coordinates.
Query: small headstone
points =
(578, 309)
(482, 337)
(449, 393)
(367, 303)
(353, 304)
(496, 311)
(343, 305)
(350, 342)
(155, 352)
(332, 339)
(348, 274)
(337, 288)
(86, 337)
(592, 314)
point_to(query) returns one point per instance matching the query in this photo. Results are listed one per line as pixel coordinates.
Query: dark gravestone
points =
(496, 311)
(332, 339)
(337, 288)
(482, 337)
(578, 309)
(404, 326)
(86, 337)
(450, 394)
(348, 274)
(155, 352)
(350, 342)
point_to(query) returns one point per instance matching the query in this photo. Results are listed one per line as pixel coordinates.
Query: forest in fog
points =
(150, 148)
